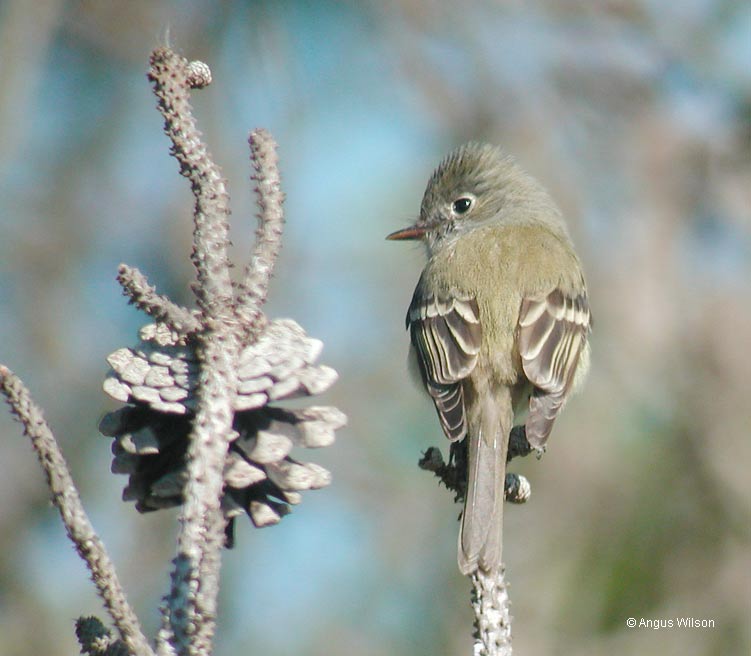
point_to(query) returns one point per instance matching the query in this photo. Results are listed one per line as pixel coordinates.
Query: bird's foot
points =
(517, 488)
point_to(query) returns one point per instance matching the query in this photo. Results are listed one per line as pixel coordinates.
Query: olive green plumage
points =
(499, 322)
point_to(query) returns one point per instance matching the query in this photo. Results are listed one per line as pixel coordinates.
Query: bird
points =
(499, 323)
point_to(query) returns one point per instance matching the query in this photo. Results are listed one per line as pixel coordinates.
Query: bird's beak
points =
(412, 232)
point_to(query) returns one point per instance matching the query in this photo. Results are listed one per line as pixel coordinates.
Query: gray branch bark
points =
(492, 618)
(136, 287)
(68, 502)
(172, 77)
(252, 291)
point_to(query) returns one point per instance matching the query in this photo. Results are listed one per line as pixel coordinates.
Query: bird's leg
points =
(454, 473)
(516, 487)
(518, 446)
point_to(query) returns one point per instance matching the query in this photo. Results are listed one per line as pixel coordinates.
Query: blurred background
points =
(635, 114)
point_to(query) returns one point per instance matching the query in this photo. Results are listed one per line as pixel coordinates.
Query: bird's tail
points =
(481, 533)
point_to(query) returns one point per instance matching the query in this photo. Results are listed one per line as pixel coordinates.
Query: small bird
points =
(499, 323)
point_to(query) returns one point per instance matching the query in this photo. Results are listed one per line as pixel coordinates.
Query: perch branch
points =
(77, 524)
(490, 600)
(492, 619)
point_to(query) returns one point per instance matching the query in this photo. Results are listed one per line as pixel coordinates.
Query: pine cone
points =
(157, 379)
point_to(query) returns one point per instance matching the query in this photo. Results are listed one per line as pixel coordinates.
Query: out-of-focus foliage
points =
(635, 114)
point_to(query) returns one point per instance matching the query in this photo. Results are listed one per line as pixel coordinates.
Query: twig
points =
(77, 524)
(251, 293)
(172, 77)
(492, 619)
(144, 297)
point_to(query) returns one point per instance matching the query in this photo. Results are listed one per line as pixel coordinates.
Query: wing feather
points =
(446, 336)
(552, 334)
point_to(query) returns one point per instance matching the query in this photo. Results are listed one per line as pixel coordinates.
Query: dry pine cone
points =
(157, 381)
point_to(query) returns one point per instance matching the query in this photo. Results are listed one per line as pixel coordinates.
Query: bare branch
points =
(192, 598)
(172, 77)
(253, 290)
(195, 579)
(144, 297)
(492, 619)
(165, 637)
(77, 524)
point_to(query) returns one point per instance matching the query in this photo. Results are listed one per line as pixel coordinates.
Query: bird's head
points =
(468, 189)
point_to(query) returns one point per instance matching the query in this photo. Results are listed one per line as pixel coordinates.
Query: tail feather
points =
(481, 533)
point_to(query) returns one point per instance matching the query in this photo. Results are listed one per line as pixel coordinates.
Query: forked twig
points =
(199, 428)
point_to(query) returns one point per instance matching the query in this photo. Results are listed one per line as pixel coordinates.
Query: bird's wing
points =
(446, 336)
(552, 334)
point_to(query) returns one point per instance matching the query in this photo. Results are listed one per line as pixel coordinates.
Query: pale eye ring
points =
(462, 205)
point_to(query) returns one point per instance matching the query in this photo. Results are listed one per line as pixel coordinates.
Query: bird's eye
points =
(461, 205)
